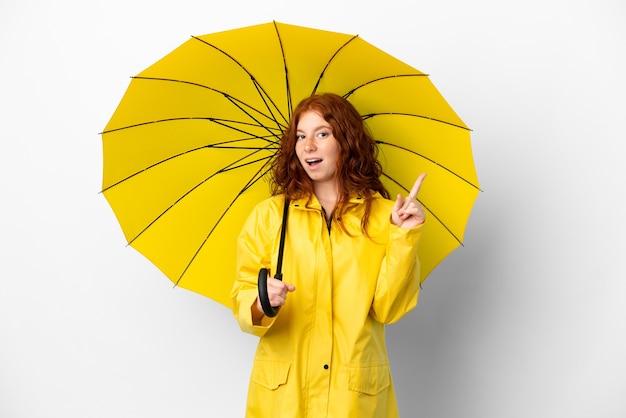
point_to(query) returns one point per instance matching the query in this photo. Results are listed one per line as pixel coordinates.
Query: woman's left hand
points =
(407, 212)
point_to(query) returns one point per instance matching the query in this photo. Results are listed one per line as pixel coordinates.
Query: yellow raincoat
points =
(324, 354)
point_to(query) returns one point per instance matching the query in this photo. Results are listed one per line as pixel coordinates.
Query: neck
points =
(327, 194)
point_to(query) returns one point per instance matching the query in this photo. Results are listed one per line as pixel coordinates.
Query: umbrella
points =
(186, 152)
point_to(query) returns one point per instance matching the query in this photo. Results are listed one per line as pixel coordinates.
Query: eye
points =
(323, 134)
(299, 137)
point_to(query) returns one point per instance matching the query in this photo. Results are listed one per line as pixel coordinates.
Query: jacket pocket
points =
(270, 373)
(369, 379)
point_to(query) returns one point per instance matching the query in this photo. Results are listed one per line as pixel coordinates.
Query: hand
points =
(407, 212)
(277, 293)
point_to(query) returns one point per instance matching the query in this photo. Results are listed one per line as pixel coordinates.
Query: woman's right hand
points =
(277, 291)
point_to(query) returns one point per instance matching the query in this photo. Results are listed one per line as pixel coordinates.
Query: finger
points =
(277, 300)
(399, 203)
(279, 288)
(404, 209)
(275, 285)
(416, 187)
(279, 284)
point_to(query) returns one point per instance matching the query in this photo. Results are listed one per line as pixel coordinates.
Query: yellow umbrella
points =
(186, 151)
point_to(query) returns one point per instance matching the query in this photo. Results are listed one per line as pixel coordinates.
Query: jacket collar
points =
(304, 202)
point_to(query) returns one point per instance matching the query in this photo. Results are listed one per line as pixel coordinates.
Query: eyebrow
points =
(317, 128)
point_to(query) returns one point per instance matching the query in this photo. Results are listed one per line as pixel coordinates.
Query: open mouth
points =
(313, 161)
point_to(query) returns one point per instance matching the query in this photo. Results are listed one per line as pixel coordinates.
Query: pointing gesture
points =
(407, 212)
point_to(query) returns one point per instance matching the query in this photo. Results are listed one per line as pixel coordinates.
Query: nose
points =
(309, 145)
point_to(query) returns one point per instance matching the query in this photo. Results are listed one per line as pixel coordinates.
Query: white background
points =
(527, 320)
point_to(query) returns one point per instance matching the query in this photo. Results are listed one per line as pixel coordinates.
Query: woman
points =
(350, 267)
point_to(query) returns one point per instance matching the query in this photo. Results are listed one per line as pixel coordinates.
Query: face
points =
(317, 149)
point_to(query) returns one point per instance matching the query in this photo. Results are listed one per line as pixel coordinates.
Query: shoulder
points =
(264, 217)
(270, 204)
(268, 211)
(379, 203)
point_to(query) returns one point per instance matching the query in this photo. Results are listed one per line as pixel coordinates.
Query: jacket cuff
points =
(247, 299)
(408, 234)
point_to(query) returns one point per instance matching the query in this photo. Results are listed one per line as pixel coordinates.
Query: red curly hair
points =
(358, 168)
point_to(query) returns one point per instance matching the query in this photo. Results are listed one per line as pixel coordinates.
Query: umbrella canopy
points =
(186, 151)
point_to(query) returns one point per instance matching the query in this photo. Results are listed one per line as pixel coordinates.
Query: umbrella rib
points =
(287, 86)
(429, 160)
(143, 170)
(257, 176)
(258, 86)
(219, 145)
(231, 166)
(427, 209)
(387, 77)
(231, 98)
(319, 79)
(223, 122)
(413, 115)
(267, 128)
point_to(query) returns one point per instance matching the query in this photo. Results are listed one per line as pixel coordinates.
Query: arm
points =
(397, 287)
(254, 248)
(398, 284)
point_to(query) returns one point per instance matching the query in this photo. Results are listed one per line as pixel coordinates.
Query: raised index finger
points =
(416, 187)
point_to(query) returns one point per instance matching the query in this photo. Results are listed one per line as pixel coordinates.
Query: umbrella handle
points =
(264, 298)
(268, 309)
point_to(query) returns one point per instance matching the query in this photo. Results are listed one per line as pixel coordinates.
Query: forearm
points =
(397, 287)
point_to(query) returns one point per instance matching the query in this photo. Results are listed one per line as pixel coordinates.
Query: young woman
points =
(350, 267)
